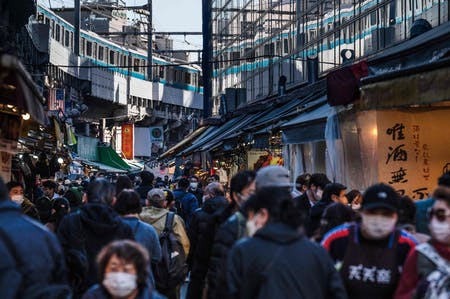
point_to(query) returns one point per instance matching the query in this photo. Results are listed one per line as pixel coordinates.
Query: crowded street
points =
(224, 149)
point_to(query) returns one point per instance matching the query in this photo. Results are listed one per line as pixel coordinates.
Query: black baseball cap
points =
(380, 196)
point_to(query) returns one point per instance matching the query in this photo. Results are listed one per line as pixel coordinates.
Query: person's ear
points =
(261, 218)
(114, 200)
(334, 198)
(84, 200)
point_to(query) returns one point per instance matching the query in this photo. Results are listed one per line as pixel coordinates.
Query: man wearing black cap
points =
(370, 255)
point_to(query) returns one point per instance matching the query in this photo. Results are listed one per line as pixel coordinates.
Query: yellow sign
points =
(413, 149)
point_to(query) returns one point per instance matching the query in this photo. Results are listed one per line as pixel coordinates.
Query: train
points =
(121, 59)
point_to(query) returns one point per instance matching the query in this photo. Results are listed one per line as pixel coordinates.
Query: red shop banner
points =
(127, 140)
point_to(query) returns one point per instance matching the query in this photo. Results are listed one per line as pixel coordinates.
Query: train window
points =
(187, 78)
(58, 32)
(235, 56)
(111, 57)
(47, 21)
(71, 41)
(83, 42)
(100, 53)
(66, 38)
(136, 65)
(286, 46)
(89, 48)
(52, 26)
(144, 66)
(161, 72)
(94, 50)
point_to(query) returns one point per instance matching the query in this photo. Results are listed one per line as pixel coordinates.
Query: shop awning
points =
(18, 88)
(109, 157)
(184, 143)
(307, 127)
(210, 136)
(102, 167)
(425, 84)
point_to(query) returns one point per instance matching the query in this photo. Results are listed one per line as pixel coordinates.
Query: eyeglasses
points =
(440, 214)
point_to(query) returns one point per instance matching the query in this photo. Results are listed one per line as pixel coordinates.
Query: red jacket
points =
(410, 276)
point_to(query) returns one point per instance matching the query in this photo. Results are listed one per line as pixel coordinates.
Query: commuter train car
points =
(124, 60)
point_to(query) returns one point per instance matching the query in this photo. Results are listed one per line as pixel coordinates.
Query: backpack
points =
(172, 269)
(21, 285)
(439, 279)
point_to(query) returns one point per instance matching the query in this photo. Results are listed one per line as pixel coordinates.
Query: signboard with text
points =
(128, 141)
(413, 150)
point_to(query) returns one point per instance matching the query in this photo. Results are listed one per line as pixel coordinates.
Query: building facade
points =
(263, 46)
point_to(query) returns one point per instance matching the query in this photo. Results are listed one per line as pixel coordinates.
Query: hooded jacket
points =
(232, 230)
(201, 233)
(279, 262)
(157, 218)
(87, 231)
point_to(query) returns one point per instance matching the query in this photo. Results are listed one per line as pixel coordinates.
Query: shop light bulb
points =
(375, 132)
(26, 116)
(60, 160)
(9, 106)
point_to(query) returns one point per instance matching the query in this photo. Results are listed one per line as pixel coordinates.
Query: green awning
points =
(107, 156)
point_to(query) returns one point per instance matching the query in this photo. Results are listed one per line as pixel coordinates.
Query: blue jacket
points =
(37, 247)
(188, 203)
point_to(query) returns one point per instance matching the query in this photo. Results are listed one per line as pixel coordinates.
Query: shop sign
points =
(127, 141)
(413, 150)
(157, 139)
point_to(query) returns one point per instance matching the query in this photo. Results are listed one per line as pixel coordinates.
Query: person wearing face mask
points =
(123, 273)
(370, 255)
(242, 186)
(268, 264)
(354, 199)
(428, 267)
(15, 190)
(333, 192)
(196, 188)
(312, 193)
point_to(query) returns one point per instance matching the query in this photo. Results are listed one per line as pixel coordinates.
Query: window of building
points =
(83, 45)
(52, 27)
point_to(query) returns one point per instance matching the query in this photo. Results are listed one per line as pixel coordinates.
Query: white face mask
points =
(377, 226)
(194, 185)
(319, 193)
(440, 230)
(18, 199)
(120, 284)
(251, 227)
(356, 206)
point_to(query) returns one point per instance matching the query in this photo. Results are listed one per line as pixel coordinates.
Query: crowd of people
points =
(260, 237)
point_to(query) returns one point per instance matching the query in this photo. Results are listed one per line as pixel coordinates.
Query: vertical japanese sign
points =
(128, 140)
(413, 150)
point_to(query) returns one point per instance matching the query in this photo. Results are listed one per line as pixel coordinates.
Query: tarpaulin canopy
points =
(307, 127)
(108, 156)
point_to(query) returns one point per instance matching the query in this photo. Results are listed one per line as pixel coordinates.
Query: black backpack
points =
(172, 269)
(20, 284)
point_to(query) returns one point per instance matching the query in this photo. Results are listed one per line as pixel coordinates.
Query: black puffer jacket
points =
(278, 262)
(228, 233)
(201, 234)
(86, 232)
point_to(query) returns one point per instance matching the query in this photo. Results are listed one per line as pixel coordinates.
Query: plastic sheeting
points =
(335, 148)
